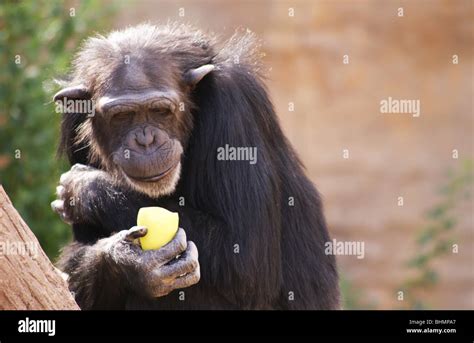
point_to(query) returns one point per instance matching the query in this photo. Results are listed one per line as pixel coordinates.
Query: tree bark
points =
(28, 280)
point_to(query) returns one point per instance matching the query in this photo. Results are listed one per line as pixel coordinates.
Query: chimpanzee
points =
(166, 99)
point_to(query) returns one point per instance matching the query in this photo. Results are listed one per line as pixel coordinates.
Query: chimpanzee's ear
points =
(76, 153)
(73, 92)
(193, 76)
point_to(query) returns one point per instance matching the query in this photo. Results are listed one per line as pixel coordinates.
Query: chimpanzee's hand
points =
(151, 273)
(74, 191)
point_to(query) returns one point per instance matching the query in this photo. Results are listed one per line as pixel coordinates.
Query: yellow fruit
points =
(162, 226)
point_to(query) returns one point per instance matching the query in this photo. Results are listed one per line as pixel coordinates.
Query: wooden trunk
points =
(28, 280)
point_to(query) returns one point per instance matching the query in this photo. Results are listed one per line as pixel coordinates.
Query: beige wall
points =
(337, 107)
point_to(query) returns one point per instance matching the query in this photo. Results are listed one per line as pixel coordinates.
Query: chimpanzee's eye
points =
(161, 111)
(122, 117)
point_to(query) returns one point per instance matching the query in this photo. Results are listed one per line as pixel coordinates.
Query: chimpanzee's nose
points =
(145, 137)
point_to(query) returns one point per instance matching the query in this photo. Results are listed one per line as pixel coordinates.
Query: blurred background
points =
(424, 248)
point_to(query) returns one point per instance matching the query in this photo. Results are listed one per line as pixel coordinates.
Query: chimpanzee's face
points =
(139, 135)
(142, 120)
(141, 125)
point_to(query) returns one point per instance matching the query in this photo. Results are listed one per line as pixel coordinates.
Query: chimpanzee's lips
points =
(153, 178)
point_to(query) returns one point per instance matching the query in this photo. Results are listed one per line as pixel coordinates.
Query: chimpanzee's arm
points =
(89, 199)
(101, 275)
(103, 205)
(104, 268)
(89, 274)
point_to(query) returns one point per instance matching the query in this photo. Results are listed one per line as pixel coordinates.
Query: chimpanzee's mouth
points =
(153, 178)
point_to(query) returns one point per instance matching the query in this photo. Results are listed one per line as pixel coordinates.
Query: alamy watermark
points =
(21, 248)
(76, 106)
(347, 248)
(403, 106)
(28, 325)
(231, 153)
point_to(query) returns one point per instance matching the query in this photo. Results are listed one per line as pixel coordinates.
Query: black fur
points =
(226, 203)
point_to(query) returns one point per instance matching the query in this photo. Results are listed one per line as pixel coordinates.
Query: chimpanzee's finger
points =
(57, 206)
(187, 263)
(135, 232)
(80, 167)
(60, 191)
(188, 279)
(174, 248)
(64, 177)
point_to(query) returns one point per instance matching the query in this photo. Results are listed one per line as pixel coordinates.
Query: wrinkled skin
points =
(159, 272)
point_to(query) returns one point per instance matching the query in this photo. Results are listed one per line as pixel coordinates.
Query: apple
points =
(162, 226)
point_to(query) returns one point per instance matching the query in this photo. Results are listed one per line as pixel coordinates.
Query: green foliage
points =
(434, 240)
(37, 39)
(354, 298)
